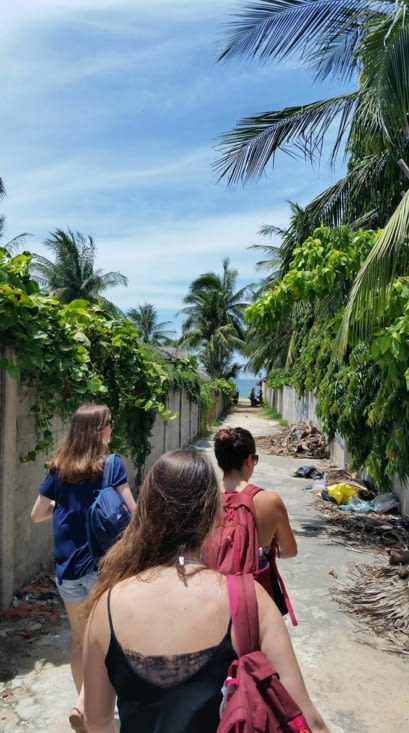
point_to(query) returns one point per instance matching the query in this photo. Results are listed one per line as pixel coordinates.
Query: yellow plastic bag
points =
(342, 493)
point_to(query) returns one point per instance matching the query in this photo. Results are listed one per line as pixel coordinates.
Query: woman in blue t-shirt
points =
(67, 492)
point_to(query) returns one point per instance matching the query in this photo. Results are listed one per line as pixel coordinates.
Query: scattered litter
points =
(325, 495)
(341, 475)
(307, 472)
(39, 601)
(386, 502)
(358, 505)
(342, 493)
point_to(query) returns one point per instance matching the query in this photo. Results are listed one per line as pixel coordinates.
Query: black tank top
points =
(168, 694)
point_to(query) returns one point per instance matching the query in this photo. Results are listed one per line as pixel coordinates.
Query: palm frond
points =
(285, 29)
(388, 258)
(335, 204)
(253, 143)
(267, 230)
(393, 84)
(112, 279)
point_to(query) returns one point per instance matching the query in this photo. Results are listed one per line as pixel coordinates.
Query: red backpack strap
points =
(244, 612)
(275, 551)
(251, 490)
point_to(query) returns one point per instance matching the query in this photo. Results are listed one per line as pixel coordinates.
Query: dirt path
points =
(357, 687)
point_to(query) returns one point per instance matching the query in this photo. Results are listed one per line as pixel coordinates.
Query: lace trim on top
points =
(168, 670)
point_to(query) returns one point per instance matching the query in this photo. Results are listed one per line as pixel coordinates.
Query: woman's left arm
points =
(120, 481)
(127, 496)
(99, 695)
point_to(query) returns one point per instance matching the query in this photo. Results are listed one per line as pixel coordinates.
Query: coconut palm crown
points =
(213, 323)
(150, 331)
(73, 275)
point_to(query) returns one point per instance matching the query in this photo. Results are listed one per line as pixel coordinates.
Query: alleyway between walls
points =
(357, 687)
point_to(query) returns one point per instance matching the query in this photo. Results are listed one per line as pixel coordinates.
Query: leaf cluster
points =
(71, 354)
(362, 395)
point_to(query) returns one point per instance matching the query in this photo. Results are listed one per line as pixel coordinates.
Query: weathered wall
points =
(25, 548)
(295, 409)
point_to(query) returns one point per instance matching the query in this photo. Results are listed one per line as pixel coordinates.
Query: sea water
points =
(245, 384)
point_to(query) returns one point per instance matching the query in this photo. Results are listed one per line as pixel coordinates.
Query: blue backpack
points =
(108, 515)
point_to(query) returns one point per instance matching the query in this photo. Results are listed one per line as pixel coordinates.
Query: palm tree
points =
(150, 331)
(343, 39)
(279, 258)
(14, 243)
(73, 274)
(214, 320)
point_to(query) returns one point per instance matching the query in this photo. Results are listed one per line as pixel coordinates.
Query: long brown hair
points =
(176, 509)
(78, 458)
(232, 446)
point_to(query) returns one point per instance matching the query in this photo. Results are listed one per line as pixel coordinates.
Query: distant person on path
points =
(235, 451)
(159, 635)
(236, 396)
(68, 490)
(253, 399)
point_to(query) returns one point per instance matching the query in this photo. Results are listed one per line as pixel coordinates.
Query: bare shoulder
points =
(269, 501)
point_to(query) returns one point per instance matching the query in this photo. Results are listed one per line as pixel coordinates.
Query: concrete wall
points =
(26, 548)
(296, 409)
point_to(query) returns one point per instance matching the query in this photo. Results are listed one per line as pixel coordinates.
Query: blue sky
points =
(111, 110)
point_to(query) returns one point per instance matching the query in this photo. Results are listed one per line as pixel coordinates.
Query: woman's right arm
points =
(284, 534)
(273, 523)
(276, 644)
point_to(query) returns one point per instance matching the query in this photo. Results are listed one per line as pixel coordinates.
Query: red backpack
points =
(254, 700)
(233, 547)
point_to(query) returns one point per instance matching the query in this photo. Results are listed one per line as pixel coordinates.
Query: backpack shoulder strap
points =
(241, 498)
(108, 472)
(251, 490)
(244, 612)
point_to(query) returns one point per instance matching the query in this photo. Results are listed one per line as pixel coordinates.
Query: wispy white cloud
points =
(110, 110)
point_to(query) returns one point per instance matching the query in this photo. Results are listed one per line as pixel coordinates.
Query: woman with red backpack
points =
(255, 526)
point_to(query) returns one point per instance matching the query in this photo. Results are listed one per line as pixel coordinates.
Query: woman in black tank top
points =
(159, 638)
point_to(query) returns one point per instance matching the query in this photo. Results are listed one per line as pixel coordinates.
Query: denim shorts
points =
(76, 591)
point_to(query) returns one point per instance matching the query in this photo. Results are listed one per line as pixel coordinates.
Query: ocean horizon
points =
(245, 384)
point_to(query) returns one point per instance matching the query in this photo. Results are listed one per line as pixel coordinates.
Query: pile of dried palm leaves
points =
(302, 440)
(363, 532)
(379, 597)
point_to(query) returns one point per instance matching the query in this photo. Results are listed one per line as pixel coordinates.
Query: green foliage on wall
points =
(71, 354)
(364, 394)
